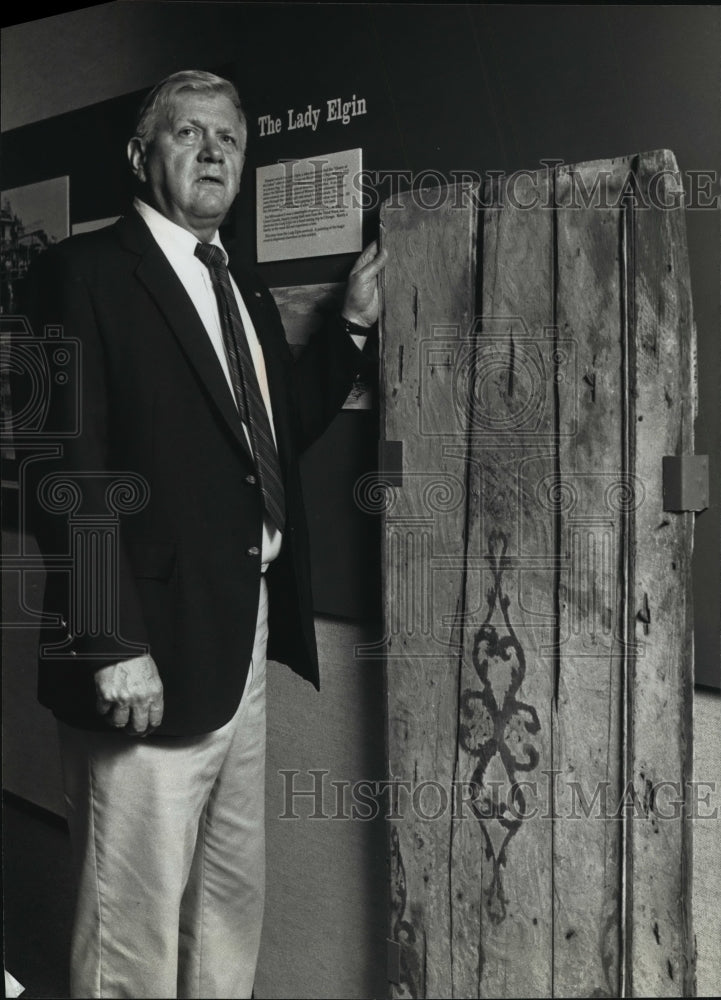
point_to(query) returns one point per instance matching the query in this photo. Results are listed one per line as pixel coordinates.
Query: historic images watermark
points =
(496, 383)
(314, 795)
(42, 417)
(524, 190)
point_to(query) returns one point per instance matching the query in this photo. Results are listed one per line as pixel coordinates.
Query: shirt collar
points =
(169, 235)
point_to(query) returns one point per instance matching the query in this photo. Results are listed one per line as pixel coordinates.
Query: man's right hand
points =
(130, 694)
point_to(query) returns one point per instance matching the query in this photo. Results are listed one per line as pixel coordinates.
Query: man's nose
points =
(211, 149)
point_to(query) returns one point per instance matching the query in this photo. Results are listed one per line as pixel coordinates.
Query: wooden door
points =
(537, 356)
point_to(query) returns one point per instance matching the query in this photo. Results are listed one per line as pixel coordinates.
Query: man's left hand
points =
(361, 296)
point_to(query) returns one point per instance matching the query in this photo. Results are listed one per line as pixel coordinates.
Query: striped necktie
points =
(245, 384)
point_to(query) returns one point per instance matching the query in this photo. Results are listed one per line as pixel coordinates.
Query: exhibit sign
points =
(309, 207)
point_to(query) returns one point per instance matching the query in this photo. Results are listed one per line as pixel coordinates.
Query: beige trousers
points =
(168, 840)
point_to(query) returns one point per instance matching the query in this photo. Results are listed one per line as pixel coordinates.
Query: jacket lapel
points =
(163, 284)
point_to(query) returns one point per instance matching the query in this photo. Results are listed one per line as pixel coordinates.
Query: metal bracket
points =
(390, 462)
(685, 483)
(394, 962)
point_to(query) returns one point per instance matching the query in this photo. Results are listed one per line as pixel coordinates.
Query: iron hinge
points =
(394, 962)
(685, 483)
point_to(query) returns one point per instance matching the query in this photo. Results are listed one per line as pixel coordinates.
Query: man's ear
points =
(136, 158)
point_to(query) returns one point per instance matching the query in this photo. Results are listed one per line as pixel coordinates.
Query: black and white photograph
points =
(361, 515)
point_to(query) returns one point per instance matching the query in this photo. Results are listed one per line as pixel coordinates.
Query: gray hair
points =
(162, 95)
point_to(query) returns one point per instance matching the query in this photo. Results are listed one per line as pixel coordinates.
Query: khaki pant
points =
(168, 839)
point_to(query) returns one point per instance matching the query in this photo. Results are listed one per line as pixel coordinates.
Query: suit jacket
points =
(154, 491)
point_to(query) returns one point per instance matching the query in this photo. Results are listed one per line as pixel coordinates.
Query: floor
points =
(37, 893)
(37, 898)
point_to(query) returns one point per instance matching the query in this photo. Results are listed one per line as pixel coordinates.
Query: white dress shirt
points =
(179, 245)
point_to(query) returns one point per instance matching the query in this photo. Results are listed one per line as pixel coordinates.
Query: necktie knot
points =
(210, 255)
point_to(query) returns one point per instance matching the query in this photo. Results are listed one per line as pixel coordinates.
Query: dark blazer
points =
(154, 408)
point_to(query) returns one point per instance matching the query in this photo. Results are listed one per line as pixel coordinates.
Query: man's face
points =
(191, 166)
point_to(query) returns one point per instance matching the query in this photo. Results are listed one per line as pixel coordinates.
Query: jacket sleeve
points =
(72, 496)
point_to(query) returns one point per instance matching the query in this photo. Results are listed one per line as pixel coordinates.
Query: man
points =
(191, 405)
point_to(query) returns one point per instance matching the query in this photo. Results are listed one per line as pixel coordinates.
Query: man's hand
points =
(361, 295)
(130, 693)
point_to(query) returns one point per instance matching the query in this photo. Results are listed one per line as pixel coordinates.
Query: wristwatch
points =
(354, 328)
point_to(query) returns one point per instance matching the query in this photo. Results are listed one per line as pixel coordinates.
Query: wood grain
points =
(593, 482)
(660, 952)
(501, 860)
(428, 302)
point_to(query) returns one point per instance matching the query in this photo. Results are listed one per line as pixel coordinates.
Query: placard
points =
(309, 208)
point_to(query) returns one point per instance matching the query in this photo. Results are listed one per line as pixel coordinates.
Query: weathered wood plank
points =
(501, 857)
(427, 307)
(537, 598)
(592, 484)
(660, 952)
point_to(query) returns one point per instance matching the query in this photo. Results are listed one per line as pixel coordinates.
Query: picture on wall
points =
(303, 309)
(34, 217)
(93, 224)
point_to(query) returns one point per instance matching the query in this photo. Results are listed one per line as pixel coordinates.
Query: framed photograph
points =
(33, 218)
(303, 309)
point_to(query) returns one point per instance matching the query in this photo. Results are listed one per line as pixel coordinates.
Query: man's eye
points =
(185, 132)
(229, 139)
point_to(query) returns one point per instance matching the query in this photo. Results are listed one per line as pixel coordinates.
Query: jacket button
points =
(251, 480)
(253, 551)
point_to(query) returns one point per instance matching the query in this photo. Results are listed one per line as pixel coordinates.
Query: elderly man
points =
(188, 388)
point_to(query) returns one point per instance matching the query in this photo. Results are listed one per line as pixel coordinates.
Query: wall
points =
(449, 88)
(325, 927)
(707, 842)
